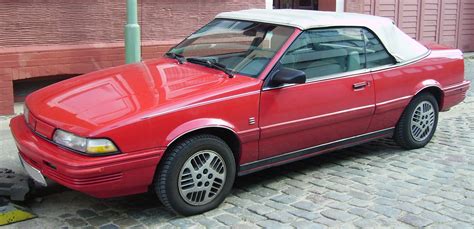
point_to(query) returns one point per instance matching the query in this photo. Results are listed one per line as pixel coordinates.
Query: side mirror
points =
(288, 76)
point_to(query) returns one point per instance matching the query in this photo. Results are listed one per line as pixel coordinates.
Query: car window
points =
(377, 55)
(322, 52)
(243, 47)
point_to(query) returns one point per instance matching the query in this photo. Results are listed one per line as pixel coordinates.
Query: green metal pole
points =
(132, 34)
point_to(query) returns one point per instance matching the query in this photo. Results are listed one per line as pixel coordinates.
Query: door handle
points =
(360, 85)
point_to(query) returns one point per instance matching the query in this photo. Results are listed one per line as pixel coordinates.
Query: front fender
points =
(197, 124)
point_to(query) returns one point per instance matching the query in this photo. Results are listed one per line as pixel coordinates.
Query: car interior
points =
(331, 51)
(317, 52)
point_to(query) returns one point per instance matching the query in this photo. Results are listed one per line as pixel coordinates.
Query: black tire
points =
(403, 133)
(168, 172)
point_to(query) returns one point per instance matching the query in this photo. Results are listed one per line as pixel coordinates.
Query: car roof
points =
(398, 44)
(306, 19)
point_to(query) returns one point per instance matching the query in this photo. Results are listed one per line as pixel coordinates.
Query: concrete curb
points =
(469, 55)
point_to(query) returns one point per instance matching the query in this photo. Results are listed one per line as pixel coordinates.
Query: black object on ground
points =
(13, 186)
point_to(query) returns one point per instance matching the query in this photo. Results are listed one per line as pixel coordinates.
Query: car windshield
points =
(242, 47)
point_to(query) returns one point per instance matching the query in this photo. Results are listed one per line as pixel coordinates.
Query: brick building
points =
(46, 38)
(40, 38)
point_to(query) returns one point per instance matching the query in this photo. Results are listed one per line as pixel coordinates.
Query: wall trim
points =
(340, 5)
(38, 48)
(268, 4)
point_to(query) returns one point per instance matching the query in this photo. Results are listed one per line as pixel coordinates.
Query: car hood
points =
(85, 104)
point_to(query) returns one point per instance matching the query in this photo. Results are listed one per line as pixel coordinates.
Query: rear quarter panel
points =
(395, 87)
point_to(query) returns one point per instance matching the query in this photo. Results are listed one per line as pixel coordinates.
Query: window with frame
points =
(243, 47)
(321, 52)
(376, 54)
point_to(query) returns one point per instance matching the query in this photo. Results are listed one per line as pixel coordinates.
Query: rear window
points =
(377, 55)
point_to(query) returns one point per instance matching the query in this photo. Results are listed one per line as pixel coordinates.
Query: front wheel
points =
(195, 175)
(418, 123)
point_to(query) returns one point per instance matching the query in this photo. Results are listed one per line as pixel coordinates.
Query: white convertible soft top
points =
(399, 44)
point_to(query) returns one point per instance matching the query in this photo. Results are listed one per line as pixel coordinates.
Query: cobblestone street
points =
(373, 185)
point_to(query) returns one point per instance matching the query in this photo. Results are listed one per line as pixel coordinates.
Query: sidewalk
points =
(8, 151)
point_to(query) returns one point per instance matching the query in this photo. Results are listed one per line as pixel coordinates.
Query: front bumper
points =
(103, 177)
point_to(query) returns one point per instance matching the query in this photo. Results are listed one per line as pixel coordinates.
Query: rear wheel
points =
(418, 123)
(195, 175)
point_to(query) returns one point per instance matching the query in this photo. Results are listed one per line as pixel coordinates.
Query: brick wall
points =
(50, 37)
(6, 91)
(357, 6)
(52, 22)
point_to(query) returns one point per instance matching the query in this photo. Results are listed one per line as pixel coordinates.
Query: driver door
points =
(336, 102)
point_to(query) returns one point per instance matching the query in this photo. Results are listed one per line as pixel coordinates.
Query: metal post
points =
(132, 34)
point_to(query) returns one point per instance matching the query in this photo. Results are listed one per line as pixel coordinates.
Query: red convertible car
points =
(250, 90)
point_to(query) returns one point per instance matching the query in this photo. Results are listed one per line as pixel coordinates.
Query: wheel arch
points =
(217, 128)
(433, 87)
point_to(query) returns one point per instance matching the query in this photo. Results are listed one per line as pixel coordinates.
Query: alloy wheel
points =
(202, 177)
(422, 121)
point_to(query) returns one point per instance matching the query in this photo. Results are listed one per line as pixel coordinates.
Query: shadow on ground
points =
(147, 204)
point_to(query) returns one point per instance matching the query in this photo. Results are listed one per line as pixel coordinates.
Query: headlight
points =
(26, 113)
(70, 140)
(85, 145)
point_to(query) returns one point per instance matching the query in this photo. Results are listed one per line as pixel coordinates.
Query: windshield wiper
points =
(180, 58)
(211, 64)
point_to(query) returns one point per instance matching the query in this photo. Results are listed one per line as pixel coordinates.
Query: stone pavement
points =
(372, 185)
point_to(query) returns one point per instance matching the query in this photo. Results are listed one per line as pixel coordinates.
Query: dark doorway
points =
(22, 88)
(296, 4)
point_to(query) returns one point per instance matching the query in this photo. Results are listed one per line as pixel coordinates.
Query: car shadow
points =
(147, 205)
(382, 148)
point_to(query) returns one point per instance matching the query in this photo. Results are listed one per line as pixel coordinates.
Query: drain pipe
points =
(132, 34)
